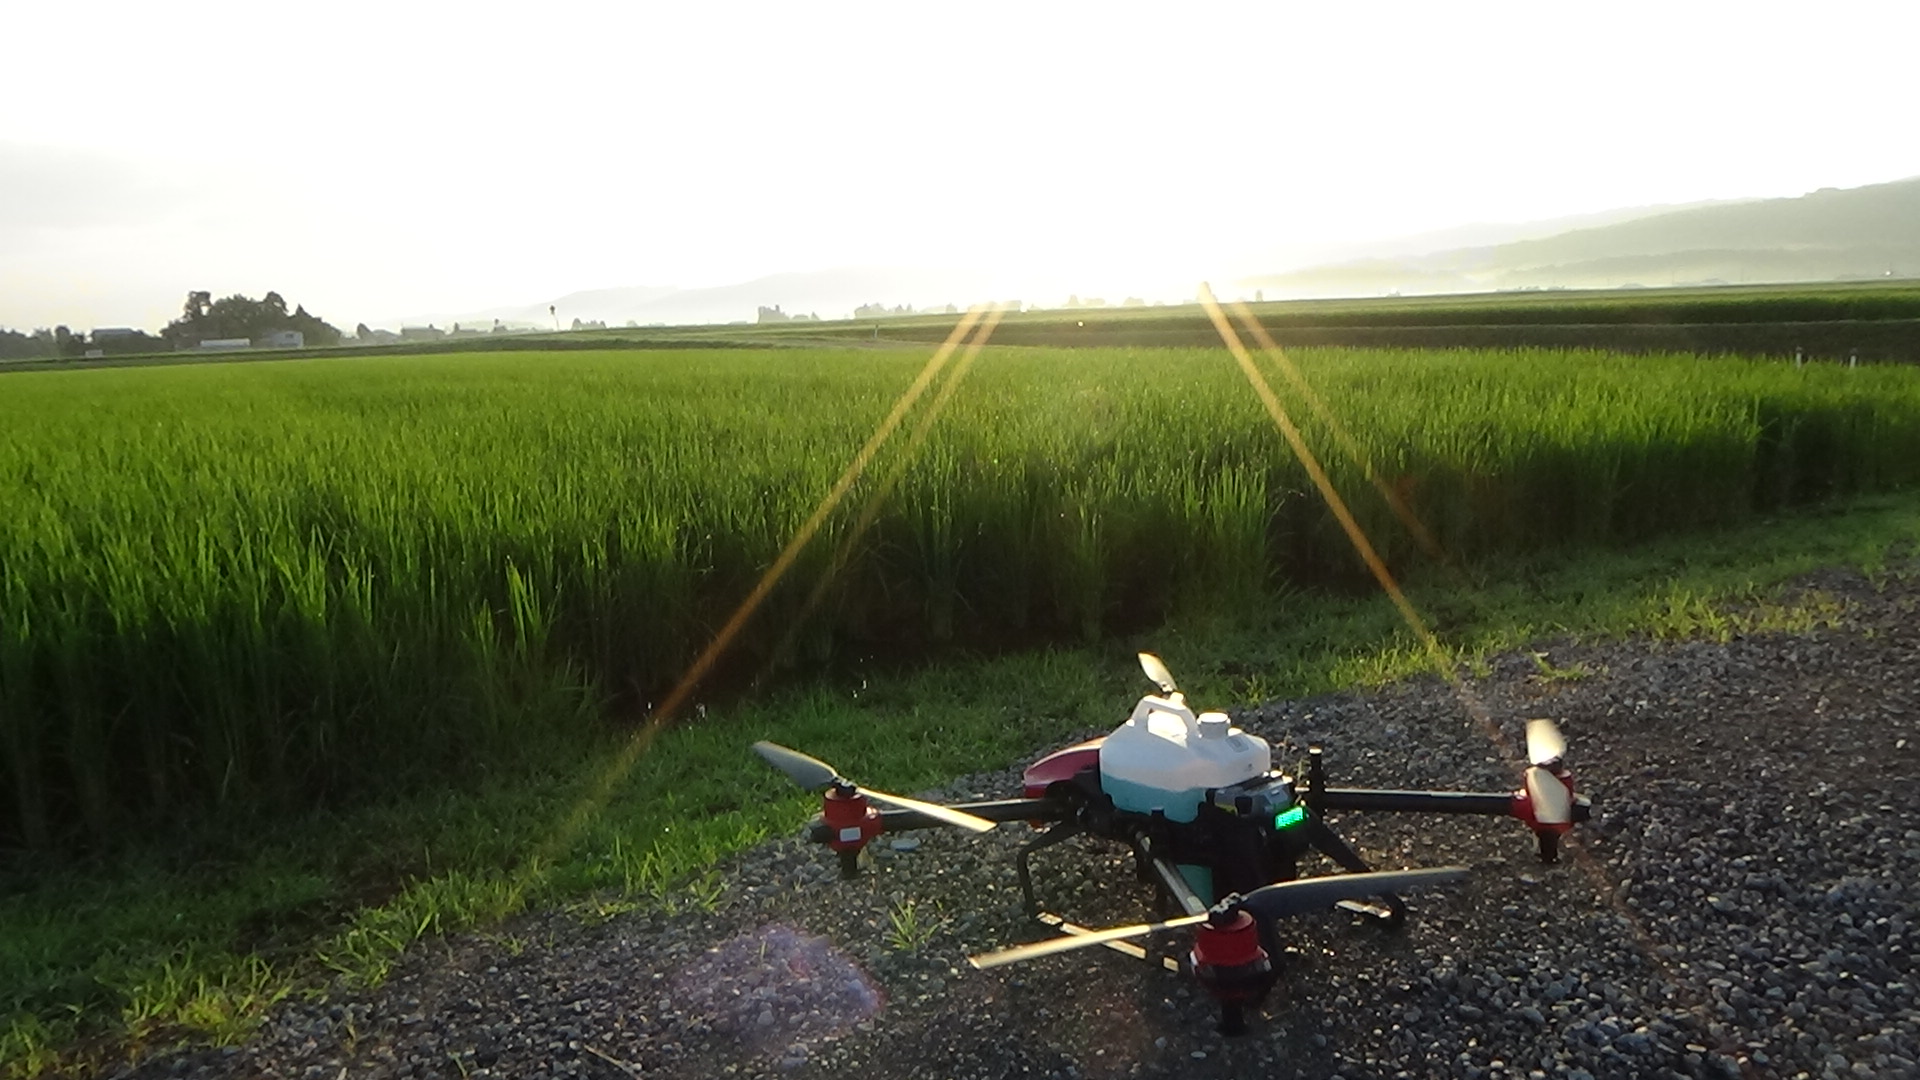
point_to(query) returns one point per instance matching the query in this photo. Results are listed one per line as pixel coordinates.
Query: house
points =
(283, 339)
(226, 344)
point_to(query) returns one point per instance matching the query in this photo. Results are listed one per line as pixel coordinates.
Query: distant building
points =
(226, 344)
(283, 339)
(421, 333)
(104, 333)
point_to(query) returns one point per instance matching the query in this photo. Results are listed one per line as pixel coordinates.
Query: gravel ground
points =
(1743, 904)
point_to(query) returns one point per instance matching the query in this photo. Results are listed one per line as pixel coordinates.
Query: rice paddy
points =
(264, 587)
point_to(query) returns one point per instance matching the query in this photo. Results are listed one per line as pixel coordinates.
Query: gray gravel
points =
(1743, 905)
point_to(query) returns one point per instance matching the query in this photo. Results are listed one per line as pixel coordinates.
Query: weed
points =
(706, 891)
(911, 924)
(1549, 672)
(599, 909)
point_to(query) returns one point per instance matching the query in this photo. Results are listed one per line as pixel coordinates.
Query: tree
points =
(125, 343)
(17, 346)
(315, 331)
(238, 316)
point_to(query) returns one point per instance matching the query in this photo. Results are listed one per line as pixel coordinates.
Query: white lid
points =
(1214, 725)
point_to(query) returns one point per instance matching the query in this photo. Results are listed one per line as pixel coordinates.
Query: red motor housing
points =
(852, 820)
(1228, 960)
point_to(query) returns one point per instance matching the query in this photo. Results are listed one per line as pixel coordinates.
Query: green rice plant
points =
(269, 587)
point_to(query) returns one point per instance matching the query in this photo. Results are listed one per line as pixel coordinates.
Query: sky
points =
(370, 160)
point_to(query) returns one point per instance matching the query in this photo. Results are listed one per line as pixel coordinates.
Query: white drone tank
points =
(1165, 758)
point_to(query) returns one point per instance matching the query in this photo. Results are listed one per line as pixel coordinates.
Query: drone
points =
(1212, 826)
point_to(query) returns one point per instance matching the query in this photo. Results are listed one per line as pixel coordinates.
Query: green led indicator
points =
(1287, 819)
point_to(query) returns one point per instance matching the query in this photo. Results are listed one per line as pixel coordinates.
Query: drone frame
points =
(1242, 853)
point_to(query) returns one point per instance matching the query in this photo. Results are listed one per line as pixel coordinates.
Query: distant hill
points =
(1477, 235)
(1830, 234)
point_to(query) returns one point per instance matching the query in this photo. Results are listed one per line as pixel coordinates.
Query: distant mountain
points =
(1477, 235)
(1860, 232)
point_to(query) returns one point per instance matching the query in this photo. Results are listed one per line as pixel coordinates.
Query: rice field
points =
(263, 587)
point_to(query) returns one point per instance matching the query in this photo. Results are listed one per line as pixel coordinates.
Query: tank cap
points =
(1214, 725)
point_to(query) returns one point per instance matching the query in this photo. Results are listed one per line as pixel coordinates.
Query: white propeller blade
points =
(1077, 941)
(813, 774)
(1544, 742)
(1157, 673)
(933, 810)
(1552, 802)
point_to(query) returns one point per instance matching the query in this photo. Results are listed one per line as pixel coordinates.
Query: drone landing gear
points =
(1065, 830)
(1549, 846)
(1390, 912)
(1233, 1019)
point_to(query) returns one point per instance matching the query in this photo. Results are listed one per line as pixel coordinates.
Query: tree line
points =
(202, 318)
